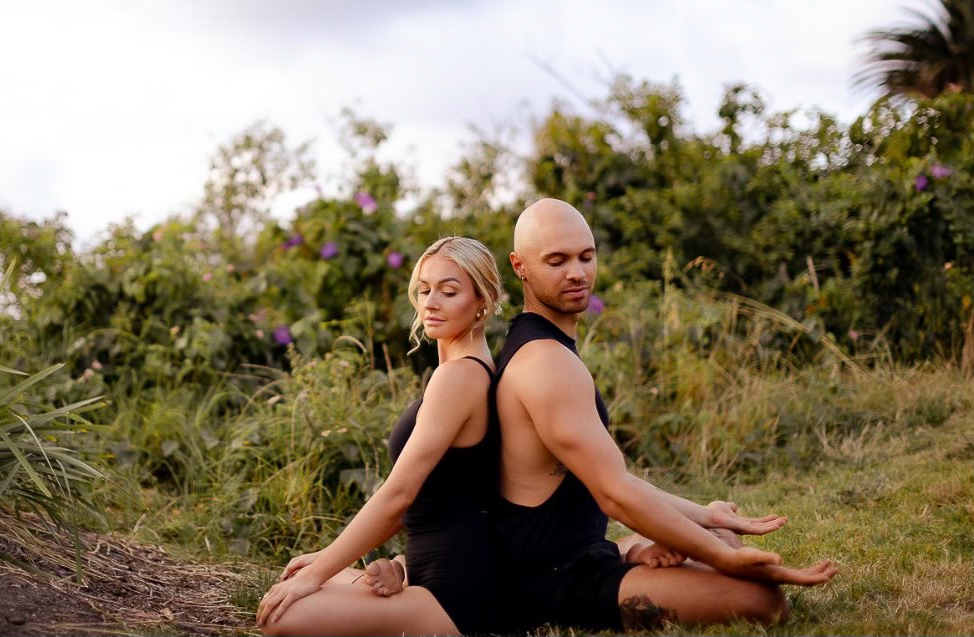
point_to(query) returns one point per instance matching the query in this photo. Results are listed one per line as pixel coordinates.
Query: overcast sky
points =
(113, 108)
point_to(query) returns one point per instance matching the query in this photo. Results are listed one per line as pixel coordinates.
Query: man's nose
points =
(575, 271)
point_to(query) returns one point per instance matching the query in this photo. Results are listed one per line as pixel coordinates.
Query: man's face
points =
(560, 270)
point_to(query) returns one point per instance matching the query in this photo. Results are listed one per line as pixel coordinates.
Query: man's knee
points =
(770, 604)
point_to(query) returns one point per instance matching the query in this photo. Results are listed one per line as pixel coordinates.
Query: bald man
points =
(562, 476)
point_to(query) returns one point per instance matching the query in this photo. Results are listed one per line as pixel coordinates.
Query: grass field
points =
(895, 509)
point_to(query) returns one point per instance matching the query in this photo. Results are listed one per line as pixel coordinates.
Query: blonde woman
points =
(437, 489)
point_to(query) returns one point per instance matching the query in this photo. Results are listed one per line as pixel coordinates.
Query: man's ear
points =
(517, 264)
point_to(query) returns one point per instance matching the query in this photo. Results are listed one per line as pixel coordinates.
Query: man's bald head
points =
(542, 218)
(554, 255)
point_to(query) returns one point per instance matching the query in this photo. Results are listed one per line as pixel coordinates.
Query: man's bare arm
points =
(562, 408)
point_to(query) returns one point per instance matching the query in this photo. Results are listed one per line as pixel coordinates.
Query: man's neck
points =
(567, 323)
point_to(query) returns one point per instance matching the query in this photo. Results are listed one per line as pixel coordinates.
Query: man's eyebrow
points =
(442, 281)
(556, 253)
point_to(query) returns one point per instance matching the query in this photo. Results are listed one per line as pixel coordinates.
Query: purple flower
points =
(282, 335)
(939, 171)
(395, 259)
(921, 183)
(296, 240)
(366, 202)
(595, 304)
(329, 250)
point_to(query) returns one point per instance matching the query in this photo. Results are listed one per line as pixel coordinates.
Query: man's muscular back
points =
(530, 473)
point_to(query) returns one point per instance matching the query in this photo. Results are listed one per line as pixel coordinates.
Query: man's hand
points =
(297, 564)
(384, 577)
(653, 555)
(283, 594)
(724, 515)
(751, 563)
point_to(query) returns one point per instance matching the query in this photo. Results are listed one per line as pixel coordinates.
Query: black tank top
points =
(459, 484)
(553, 532)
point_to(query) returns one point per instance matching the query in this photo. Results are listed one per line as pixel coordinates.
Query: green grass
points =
(894, 508)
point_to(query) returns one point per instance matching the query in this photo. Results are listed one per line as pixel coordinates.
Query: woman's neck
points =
(467, 345)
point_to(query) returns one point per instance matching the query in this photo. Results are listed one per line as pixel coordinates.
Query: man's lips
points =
(576, 291)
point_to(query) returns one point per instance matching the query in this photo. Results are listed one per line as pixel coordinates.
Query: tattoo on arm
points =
(559, 469)
(638, 613)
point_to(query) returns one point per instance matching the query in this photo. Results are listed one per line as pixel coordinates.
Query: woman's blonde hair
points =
(475, 260)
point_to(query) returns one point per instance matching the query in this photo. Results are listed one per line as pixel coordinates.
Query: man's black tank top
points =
(459, 484)
(553, 532)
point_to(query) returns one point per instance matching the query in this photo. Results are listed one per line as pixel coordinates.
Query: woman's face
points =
(448, 302)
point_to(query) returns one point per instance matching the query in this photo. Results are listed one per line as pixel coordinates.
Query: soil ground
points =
(127, 588)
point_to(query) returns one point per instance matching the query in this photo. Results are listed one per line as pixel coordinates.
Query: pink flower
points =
(96, 365)
(366, 202)
(259, 333)
(231, 267)
(595, 304)
(939, 171)
(157, 235)
(395, 259)
(854, 335)
(207, 276)
(921, 183)
(88, 373)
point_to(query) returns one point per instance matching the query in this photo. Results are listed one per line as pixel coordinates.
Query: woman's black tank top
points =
(459, 484)
(553, 532)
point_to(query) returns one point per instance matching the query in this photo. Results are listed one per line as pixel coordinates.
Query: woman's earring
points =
(481, 314)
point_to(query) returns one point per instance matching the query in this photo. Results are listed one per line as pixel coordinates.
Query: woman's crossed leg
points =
(352, 609)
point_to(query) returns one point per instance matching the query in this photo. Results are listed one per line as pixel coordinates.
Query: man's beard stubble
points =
(563, 306)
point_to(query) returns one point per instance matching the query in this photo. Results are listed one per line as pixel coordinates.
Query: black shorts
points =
(582, 592)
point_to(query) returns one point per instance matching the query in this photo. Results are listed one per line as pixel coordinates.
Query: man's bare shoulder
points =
(547, 367)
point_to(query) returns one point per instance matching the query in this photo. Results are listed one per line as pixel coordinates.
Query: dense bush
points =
(771, 254)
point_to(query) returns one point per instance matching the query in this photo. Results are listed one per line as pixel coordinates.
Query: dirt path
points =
(128, 589)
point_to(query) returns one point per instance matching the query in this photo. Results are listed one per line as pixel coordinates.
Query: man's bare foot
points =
(654, 555)
(384, 577)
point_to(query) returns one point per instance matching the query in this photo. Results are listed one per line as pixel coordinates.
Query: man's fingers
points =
(812, 576)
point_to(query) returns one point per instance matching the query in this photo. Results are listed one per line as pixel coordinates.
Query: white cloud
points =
(111, 108)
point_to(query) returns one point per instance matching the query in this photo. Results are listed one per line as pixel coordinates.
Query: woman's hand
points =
(752, 563)
(282, 595)
(724, 515)
(297, 563)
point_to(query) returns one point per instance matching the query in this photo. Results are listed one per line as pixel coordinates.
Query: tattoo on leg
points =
(559, 470)
(638, 613)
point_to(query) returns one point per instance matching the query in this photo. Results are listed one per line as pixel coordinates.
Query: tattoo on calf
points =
(559, 470)
(638, 613)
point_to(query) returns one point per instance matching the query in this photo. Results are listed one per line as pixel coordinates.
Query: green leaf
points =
(25, 464)
(21, 387)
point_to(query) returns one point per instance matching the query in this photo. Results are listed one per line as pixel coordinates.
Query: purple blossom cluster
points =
(295, 240)
(937, 171)
(395, 259)
(366, 202)
(596, 305)
(329, 250)
(282, 335)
